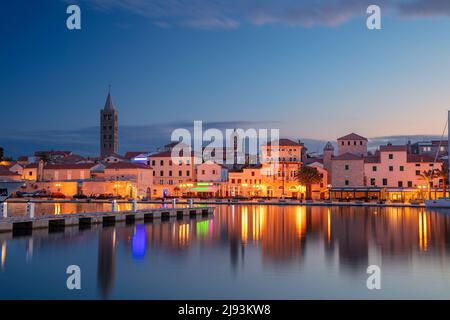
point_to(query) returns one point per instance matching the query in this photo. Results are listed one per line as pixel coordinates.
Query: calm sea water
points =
(242, 252)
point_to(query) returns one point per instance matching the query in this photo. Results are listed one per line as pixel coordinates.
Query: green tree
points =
(428, 176)
(443, 174)
(308, 176)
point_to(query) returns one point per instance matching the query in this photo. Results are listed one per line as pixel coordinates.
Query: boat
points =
(7, 188)
(441, 202)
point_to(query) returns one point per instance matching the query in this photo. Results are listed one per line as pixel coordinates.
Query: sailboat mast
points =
(448, 150)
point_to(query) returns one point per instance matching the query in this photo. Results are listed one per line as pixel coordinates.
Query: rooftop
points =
(352, 136)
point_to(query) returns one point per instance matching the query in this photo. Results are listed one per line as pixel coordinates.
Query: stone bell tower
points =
(109, 128)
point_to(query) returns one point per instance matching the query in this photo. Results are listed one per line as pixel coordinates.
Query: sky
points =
(310, 68)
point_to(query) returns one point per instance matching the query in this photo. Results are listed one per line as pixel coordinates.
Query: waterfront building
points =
(392, 173)
(109, 129)
(169, 174)
(140, 176)
(62, 172)
(400, 173)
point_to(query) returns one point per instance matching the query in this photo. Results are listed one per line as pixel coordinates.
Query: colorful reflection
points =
(138, 242)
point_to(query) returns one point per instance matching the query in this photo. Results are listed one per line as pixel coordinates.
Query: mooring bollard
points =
(114, 205)
(174, 203)
(4, 210)
(191, 203)
(134, 205)
(30, 209)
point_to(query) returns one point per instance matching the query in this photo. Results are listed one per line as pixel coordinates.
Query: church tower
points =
(109, 129)
(328, 153)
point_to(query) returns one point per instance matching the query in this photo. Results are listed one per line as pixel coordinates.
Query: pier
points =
(30, 222)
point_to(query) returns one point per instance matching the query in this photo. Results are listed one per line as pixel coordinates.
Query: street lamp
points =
(329, 192)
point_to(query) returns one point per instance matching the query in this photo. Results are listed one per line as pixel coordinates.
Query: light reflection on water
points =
(261, 252)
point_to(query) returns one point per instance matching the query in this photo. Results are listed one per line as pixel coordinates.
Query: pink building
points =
(352, 143)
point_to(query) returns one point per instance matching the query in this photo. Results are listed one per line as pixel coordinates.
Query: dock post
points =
(114, 205)
(174, 203)
(191, 203)
(30, 209)
(134, 205)
(4, 210)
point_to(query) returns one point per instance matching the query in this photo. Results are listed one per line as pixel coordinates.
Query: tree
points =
(308, 176)
(443, 174)
(45, 156)
(428, 176)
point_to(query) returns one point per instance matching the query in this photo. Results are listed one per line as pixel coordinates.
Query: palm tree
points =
(443, 174)
(428, 176)
(308, 176)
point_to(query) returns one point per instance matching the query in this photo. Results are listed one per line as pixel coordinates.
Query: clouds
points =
(231, 14)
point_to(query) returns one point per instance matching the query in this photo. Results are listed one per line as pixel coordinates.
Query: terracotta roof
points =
(352, 136)
(70, 166)
(348, 156)
(165, 154)
(5, 172)
(132, 154)
(419, 158)
(126, 165)
(286, 143)
(394, 148)
(312, 160)
(31, 166)
(22, 158)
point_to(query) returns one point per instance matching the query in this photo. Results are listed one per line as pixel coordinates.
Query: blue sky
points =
(310, 68)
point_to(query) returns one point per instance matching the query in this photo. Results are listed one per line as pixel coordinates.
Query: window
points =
(374, 168)
(154, 173)
(372, 181)
(153, 163)
(354, 143)
(170, 162)
(347, 167)
(391, 168)
(233, 181)
(180, 173)
(400, 184)
(347, 182)
(161, 162)
(402, 168)
(203, 171)
(161, 173)
(239, 180)
(253, 173)
(188, 173)
(417, 164)
(385, 182)
(170, 173)
(360, 143)
(417, 172)
(342, 143)
(410, 184)
(391, 156)
(214, 172)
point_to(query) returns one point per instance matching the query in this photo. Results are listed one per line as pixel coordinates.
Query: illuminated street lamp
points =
(329, 192)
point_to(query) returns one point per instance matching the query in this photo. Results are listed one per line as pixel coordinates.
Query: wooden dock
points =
(11, 224)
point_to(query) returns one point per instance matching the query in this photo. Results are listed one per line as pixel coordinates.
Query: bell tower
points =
(109, 128)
